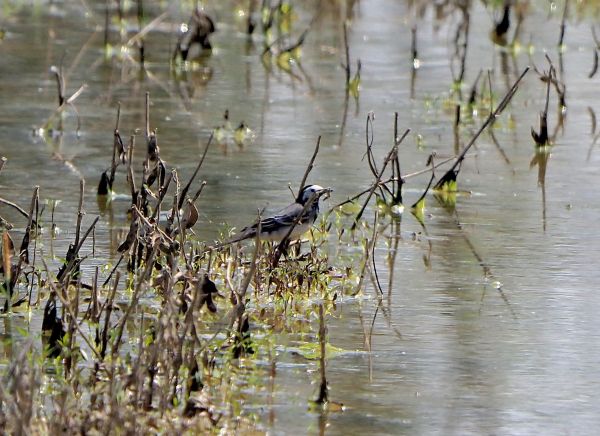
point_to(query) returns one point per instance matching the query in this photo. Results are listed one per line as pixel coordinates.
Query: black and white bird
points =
(301, 214)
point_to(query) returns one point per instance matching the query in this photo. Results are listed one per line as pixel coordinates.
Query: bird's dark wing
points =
(283, 218)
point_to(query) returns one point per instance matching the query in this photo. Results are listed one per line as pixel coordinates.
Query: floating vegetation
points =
(184, 355)
(225, 134)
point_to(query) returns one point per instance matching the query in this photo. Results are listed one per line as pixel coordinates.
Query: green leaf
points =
(418, 210)
(350, 208)
(283, 61)
(354, 86)
(312, 351)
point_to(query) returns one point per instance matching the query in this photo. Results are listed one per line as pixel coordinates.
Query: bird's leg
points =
(279, 250)
(296, 246)
(284, 249)
(270, 250)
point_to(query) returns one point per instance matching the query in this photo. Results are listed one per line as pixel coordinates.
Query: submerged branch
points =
(491, 118)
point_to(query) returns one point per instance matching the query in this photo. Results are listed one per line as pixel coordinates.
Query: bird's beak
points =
(326, 192)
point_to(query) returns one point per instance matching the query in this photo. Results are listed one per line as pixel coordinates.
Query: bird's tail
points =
(246, 233)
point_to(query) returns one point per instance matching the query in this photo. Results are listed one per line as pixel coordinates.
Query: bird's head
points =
(312, 191)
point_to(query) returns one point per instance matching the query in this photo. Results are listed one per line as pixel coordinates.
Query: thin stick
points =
(78, 247)
(392, 179)
(108, 307)
(373, 246)
(242, 292)
(116, 140)
(426, 170)
(118, 116)
(147, 28)
(130, 175)
(487, 122)
(62, 107)
(147, 116)
(378, 180)
(347, 51)
(37, 213)
(179, 225)
(369, 141)
(76, 94)
(548, 89)
(113, 270)
(80, 212)
(563, 24)
(310, 166)
(162, 193)
(185, 190)
(14, 206)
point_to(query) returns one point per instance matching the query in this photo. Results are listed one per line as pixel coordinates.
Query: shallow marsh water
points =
(453, 353)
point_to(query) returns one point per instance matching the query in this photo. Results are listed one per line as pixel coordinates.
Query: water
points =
(456, 351)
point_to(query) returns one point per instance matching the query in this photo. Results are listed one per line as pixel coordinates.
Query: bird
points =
(301, 214)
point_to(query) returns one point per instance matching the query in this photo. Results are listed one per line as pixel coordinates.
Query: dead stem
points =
(452, 172)
(310, 166)
(107, 308)
(387, 160)
(596, 48)
(135, 39)
(75, 254)
(373, 246)
(14, 206)
(36, 234)
(186, 188)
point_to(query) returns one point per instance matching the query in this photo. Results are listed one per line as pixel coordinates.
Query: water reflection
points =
(540, 159)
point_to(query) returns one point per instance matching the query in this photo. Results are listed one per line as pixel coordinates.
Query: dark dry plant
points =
(112, 360)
